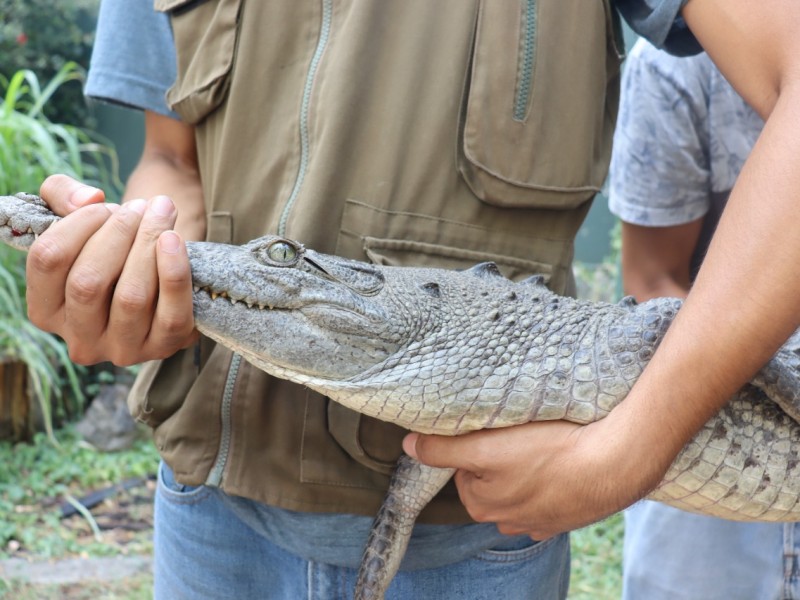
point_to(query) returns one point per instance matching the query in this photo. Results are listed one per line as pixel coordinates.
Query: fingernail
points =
(162, 206)
(410, 444)
(169, 242)
(138, 205)
(83, 195)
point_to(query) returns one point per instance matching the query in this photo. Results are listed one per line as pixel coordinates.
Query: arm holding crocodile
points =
(558, 477)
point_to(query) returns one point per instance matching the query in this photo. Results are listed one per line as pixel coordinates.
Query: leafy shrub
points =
(43, 36)
(31, 148)
(44, 355)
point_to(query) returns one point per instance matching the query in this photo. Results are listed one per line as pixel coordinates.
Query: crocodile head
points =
(299, 314)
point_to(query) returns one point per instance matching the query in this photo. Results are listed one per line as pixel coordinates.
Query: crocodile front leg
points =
(412, 486)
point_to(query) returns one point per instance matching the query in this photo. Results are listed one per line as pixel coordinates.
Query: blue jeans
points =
(204, 551)
(670, 554)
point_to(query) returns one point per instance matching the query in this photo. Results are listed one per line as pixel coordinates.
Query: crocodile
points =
(448, 352)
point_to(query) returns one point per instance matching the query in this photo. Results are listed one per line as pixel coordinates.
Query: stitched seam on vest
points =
(327, 9)
(413, 214)
(215, 475)
(524, 184)
(429, 218)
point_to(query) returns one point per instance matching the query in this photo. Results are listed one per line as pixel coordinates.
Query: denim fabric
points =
(674, 555)
(203, 551)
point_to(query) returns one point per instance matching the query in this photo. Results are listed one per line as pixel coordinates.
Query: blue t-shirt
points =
(134, 64)
(133, 59)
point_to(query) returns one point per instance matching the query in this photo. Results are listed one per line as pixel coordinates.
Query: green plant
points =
(43, 36)
(45, 356)
(33, 147)
(136, 587)
(35, 478)
(602, 282)
(596, 569)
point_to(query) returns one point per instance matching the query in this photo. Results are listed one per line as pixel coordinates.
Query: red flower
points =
(22, 38)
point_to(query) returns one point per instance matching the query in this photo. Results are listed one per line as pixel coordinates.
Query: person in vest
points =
(682, 138)
(406, 133)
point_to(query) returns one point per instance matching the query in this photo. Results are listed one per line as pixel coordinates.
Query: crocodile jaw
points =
(289, 344)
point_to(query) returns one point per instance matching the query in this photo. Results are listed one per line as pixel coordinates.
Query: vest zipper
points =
(527, 51)
(215, 475)
(322, 42)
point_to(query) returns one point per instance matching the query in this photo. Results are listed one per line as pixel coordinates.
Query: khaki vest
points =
(402, 132)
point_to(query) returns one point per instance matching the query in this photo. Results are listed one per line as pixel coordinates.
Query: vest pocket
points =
(541, 102)
(206, 32)
(395, 253)
(161, 386)
(374, 443)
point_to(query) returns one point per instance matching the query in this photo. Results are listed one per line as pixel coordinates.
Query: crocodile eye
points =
(282, 252)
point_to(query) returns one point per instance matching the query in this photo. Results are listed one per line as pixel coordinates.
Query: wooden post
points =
(17, 415)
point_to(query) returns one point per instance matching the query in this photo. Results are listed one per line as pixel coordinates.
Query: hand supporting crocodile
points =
(449, 352)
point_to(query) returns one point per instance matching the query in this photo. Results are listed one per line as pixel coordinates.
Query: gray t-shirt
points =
(133, 64)
(682, 137)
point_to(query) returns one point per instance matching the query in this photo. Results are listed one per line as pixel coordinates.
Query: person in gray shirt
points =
(682, 137)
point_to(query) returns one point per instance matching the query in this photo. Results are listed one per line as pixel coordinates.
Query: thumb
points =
(440, 451)
(64, 194)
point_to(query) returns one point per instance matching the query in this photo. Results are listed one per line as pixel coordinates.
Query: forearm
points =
(157, 174)
(656, 260)
(743, 304)
(664, 287)
(168, 166)
(648, 285)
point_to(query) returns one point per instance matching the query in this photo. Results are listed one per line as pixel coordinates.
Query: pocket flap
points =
(396, 253)
(206, 34)
(540, 109)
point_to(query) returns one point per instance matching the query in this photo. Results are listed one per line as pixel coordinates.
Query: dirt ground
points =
(125, 523)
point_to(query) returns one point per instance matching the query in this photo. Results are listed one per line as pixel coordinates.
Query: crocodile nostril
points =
(431, 289)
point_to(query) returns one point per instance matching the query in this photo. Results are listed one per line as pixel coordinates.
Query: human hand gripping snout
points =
(113, 281)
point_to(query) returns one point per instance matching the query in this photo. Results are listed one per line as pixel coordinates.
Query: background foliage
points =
(43, 131)
(43, 36)
(33, 146)
(35, 478)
